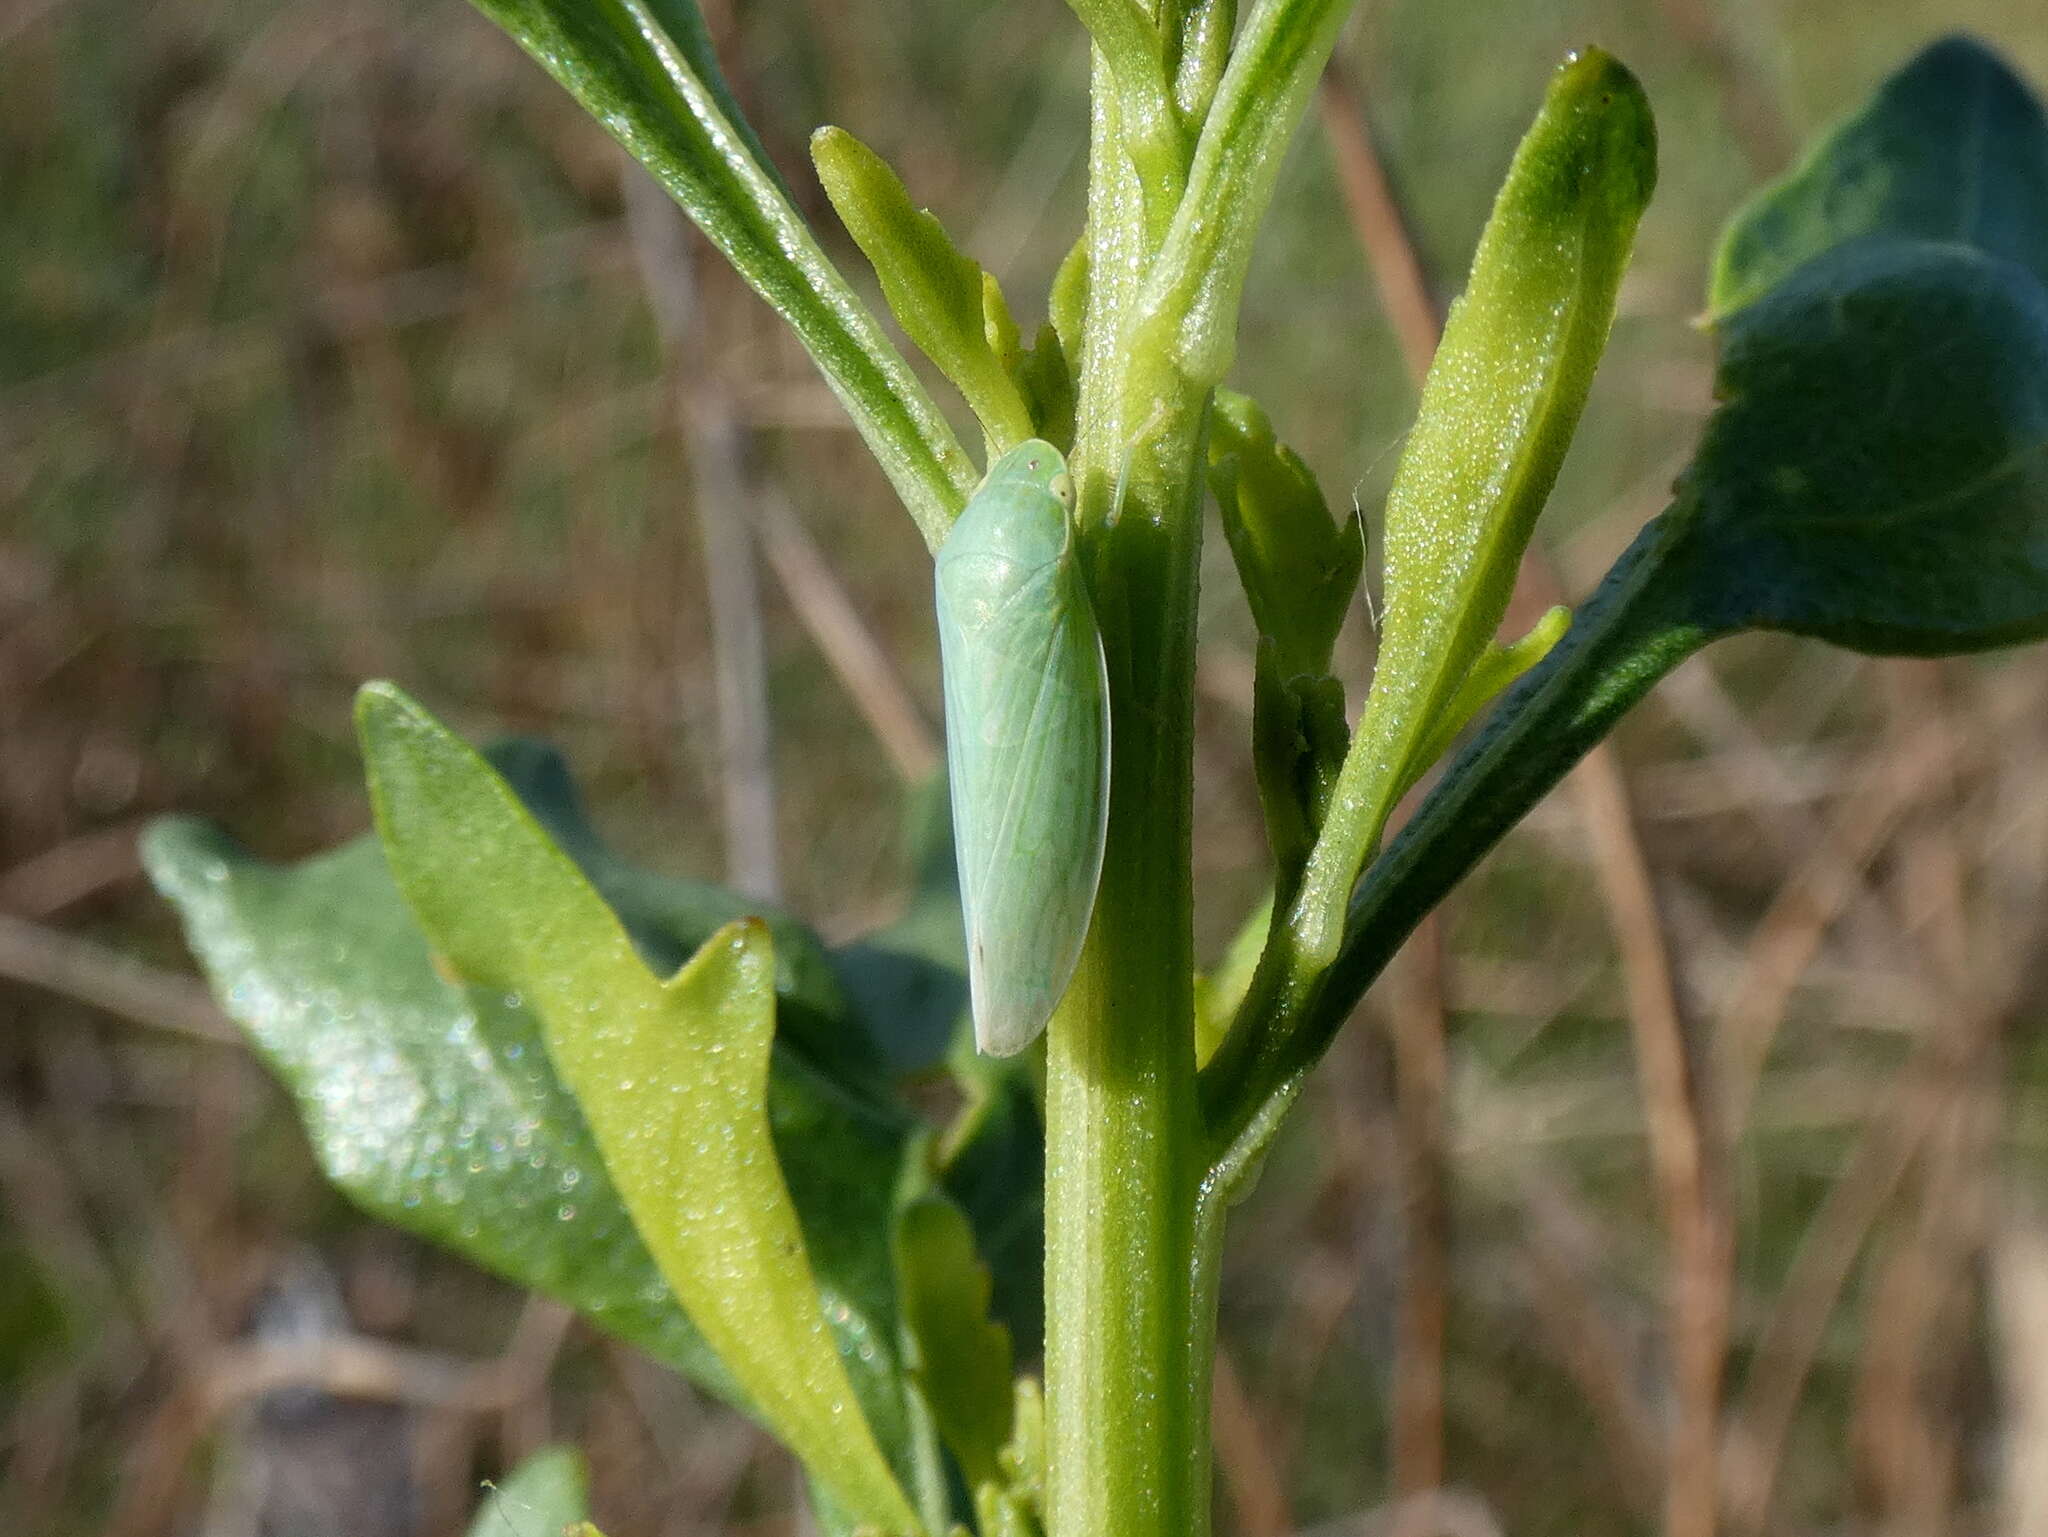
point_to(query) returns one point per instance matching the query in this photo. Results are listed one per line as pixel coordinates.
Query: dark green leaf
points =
(1953, 147)
(432, 1105)
(645, 69)
(1877, 475)
(1045, 376)
(994, 1169)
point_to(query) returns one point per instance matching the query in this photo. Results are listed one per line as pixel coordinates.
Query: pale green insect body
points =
(1027, 741)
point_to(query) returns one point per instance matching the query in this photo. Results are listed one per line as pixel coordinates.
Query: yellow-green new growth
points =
(672, 1075)
(945, 303)
(1497, 413)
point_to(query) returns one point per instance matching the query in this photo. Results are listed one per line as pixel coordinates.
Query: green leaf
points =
(435, 1106)
(938, 294)
(672, 1075)
(993, 1168)
(1067, 307)
(1187, 310)
(1299, 566)
(1299, 736)
(1206, 28)
(1498, 411)
(1129, 43)
(962, 1359)
(1497, 667)
(544, 1497)
(646, 71)
(1953, 147)
(670, 917)
(1877, 476)
(1878, 473)
(431, 1105)
(1045, 378)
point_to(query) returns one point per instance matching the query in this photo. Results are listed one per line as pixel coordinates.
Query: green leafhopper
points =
(1027, 741)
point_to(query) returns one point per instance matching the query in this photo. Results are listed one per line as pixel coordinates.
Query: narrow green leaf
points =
(1953, 147)
(1186, 314)
(1067, 307)
(1299, 566)
(1497, 413)
(936, 291)
(646, 71)
(962, 1358)
(1497, 667)
(1128, 41)
(1877, 476)
(1206, 28)
(672, 1075)
(544, 1497)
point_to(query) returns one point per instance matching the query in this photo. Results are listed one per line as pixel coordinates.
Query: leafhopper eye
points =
(1027, 741)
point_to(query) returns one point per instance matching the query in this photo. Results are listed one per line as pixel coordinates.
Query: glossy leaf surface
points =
(432, 1105)
(436, 1107)
(672, 1075)
(645, 69)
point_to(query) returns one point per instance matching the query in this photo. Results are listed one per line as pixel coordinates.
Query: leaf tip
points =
(1608, 101)
(181, 853)
(381, 703)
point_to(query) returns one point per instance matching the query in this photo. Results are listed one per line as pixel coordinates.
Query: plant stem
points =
(1624, 639)
(1126, 1388)
(1127, 1364)
(1127, 1358)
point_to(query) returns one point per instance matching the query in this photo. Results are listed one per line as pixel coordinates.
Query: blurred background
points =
(336, 343)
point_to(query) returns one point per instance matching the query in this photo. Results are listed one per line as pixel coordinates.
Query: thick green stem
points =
(1126, 1388)
(1127, 1367)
